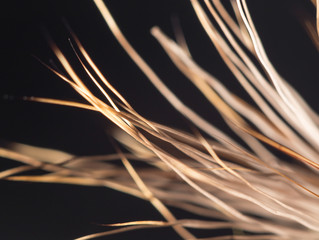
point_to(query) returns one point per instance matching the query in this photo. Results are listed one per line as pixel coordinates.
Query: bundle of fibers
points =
(261, 182)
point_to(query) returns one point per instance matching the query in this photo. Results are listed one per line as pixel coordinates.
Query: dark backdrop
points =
(49, 211)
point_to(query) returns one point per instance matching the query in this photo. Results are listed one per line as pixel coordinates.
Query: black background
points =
(48, 211)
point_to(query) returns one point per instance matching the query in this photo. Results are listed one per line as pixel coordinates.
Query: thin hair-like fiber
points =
(258, 182)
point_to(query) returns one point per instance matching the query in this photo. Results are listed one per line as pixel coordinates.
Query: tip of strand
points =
(9, 97)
